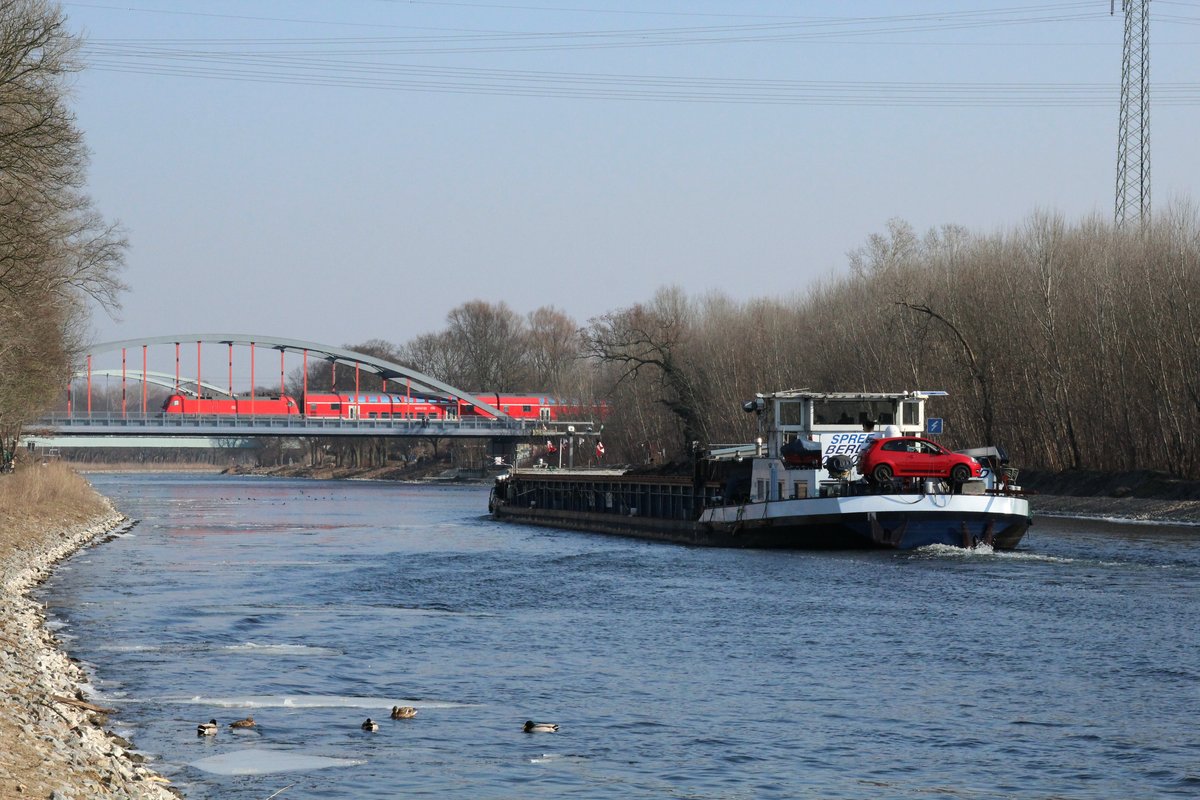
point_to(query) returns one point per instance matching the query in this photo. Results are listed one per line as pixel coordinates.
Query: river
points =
(1070, 668)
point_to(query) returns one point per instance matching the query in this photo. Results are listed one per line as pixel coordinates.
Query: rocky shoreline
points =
(1126, 509)
(55, 745)
(1137, 496)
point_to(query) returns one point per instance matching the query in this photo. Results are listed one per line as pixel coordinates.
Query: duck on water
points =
(798, 486)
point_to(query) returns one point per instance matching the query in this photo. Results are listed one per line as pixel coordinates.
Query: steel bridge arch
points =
(166, 380)
(387, 370)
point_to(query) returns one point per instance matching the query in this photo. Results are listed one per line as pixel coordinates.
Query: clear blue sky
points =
(353, 169)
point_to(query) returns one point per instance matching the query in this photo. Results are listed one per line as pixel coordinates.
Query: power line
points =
(309, 71)
(368, 62)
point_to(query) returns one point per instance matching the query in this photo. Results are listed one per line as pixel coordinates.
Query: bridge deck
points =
(158, 424)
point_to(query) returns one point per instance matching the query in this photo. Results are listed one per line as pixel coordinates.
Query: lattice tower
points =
(1133, 139)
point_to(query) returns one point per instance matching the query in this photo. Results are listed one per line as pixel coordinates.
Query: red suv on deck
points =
(910, 457)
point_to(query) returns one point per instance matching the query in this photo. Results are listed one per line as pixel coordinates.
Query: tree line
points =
(1073, 345)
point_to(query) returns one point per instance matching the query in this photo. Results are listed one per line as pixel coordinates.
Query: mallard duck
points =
(540, 727)
(207, 728)
(370, 725)
(248, 722)
(403, 712)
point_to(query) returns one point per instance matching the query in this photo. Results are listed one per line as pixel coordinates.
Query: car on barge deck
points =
(796, 487)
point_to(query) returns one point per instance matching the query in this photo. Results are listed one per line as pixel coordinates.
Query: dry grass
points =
(50, 495)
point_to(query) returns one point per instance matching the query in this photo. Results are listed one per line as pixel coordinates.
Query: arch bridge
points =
(132, 416)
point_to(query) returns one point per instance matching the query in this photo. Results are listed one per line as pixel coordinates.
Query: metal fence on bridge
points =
(159, 424)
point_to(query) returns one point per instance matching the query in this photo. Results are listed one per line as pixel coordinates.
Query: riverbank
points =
(1131, 509)
(1138, 495)
(55, 745)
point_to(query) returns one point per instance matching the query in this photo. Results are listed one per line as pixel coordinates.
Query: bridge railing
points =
(133, 423)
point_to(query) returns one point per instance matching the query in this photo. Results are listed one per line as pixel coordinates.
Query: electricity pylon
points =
(1133, 138)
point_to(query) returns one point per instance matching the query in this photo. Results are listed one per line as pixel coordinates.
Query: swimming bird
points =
(403, 712)
(370, 725)
(540, 727)
(207, 728)
(248, 722)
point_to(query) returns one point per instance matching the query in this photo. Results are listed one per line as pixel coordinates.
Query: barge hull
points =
(841, 531)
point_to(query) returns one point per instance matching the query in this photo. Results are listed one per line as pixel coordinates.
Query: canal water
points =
(1068, 669)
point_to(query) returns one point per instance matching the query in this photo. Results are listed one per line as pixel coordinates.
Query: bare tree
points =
(649, 343)
(433, 355)
(490, 339)
(552, 349)
(55, 250)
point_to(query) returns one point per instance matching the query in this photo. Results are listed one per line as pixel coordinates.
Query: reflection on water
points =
(1069, 668)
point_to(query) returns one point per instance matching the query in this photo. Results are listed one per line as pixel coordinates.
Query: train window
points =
(527, 409)
(385, 415)
(335, 406)
(312, 408)
(373, 415)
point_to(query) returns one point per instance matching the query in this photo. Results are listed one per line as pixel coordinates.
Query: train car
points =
(380, 405)
(516, 406)
(542, 407)
(258, 406)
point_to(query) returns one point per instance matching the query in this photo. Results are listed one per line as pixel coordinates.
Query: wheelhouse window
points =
(912, 412)
(790, 412)
(853, 412)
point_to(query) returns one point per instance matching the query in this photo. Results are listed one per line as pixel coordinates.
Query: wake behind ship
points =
(800, 486)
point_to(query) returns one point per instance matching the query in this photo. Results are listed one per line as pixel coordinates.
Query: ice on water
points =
(266, 762)
(255, 649)
(306, 701)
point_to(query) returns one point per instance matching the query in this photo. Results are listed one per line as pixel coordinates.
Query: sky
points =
(349, 170)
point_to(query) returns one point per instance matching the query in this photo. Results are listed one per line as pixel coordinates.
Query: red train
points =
(385, 406)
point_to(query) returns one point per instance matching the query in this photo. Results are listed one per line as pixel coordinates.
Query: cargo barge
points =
(797, 487)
